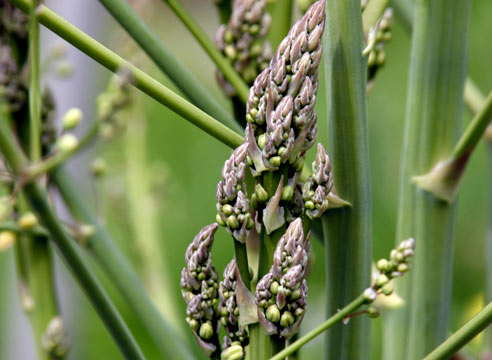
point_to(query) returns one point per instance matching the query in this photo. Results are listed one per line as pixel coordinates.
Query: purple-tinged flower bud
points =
(243, 41)
(229, 309)
(316, 190)
(200, 289)
(281, 294)
(232, 201)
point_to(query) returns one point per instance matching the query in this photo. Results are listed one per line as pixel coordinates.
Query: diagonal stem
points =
(166, 61)
(141, 80)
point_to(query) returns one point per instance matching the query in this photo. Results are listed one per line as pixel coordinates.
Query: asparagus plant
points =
(267, 199)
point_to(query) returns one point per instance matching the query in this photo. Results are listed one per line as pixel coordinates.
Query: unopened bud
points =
(370, 294)
(382, 280)
(402, 267)
(72, 118)
(287, 193)
(272, 313)
(7, 239)
(261, 193)
(287, 319)
(67, 143)
(387, 289)
(98, 167)
(232, 222)
(227, 209)
(206, 331)
(27, 221)
(233, 352)
(373, 312)
(382, 265)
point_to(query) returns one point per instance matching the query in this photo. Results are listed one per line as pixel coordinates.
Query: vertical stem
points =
(347, 231)
(488, 259)
(433, 121)
(281, 12)
(34, 88)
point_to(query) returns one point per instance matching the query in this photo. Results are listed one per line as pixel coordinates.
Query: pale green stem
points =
(334, 319)
(68, 248)
(142, 207)
(474, 98)
(488, 256)
(463, 336)
(165, 60)
(433, 120)
(34, 90)
(119, 270)
(222, 63)
(141, 80)
(372, 12)
(348, 230)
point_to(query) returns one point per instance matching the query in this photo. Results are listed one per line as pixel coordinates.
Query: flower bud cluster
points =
(395, 267)
(281, 294)
(199, 287)
(229, 310)
(280, 109)
(111, 102)
(316, 190)
(242, 41)
(380, 35)
(232, 201)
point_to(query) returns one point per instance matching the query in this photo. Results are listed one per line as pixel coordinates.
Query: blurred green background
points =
(186, 166)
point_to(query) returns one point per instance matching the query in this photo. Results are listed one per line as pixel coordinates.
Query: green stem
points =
(103, 248)
(463, 336)
(372, 12)
(488, 258)
(281, 12)
(68, 249)
(474, 98)
(433, 120)
(34, 90)
(141, 80)
(348, 230)
(165, 60)
(475, 130)
(334, 319)
(222, 63)
(241, 255)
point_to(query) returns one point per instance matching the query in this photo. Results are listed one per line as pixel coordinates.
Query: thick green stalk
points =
(334, 319)
(103, 248)
(433, 121)
(141, 80)
(34, 90)
(68, 249)
(281, 12)
(347, 231)
(165, 60)
(463, 336)
(474, 98)
(224, 66)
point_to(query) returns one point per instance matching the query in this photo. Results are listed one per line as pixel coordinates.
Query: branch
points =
(141, 80)
(166, 61)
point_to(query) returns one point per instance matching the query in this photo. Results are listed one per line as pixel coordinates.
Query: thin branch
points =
(141, 80)
(166, 61)
(224, 66)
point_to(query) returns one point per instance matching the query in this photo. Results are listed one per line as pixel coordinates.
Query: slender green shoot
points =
(281, 12)
(141, 80)
(463, 336)
(34, 90)
(68, 248)
(334, 319)
(224, 66)
(166, 61)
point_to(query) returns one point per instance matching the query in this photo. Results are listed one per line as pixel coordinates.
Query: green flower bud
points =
(67, 143)
(261, 141)
(402, 267)
(98, 167)
(72, 118)
(382, 280)
(373, 312)
(261, 193)
(272, 313)
(254, 202)
(382, 265)
(275, 161)
(296, 294)
(27, 221)
(274, 288)
(227, 209)
(299, 312)
(194, 324)
(287, 319)
(219, 220)
(232, 222)
(206, 331)
(250, 223)
(387, 289)
(370, 295)
(299, 164)
(287, 193)
(7, 238)
(233, 352)
(309, 205)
